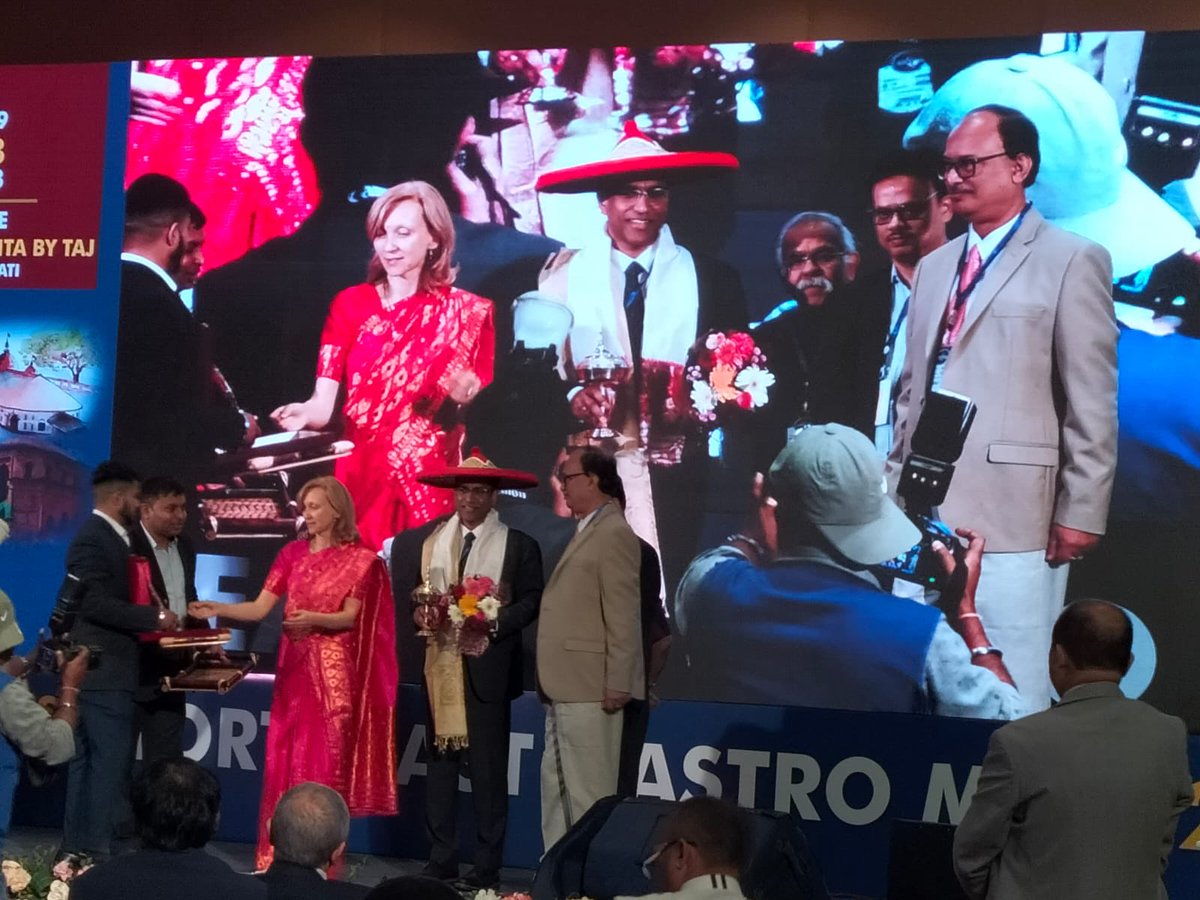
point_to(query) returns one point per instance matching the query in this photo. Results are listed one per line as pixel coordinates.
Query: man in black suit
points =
(107, 619)
(308, 832)
(175, 804)
(817, 259)
(473, 542)
(369, 123)
(866, 339)
(167, 410)
(159, 539)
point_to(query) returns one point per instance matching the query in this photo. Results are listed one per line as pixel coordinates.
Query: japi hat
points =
(1083, 184)
(635, 158)
(477, 468)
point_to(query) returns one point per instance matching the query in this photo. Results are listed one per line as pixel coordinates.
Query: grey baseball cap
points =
(10, 631)
(836, 477)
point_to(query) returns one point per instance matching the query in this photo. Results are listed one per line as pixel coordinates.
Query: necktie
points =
(466, 551)
(958, 303)
(635, 306)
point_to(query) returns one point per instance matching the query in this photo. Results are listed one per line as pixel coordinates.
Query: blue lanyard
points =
(961, 294)
(889, 347)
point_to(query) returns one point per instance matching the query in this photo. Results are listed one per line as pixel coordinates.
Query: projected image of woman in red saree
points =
(411, 350)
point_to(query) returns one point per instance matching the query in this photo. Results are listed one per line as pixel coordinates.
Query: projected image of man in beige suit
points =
(589, 646)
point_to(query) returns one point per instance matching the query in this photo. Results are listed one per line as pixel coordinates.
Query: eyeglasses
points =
(659, 850)
(655, 194)
(474, 490)
(964, 166)
(907, 212)
(826, 256)
(564, 477)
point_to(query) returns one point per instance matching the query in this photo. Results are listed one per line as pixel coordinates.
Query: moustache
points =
(819, 282)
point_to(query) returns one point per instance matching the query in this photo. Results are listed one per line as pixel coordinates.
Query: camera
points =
(62, 620)
(936, 445)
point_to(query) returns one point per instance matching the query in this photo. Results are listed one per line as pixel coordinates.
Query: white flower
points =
(490, 607)
(15, 876)
(486, 894)
(714, 340)
(59, 890)
(456, 614)
(704, 401)
(754, 381)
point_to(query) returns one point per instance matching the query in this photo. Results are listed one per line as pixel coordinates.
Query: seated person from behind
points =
(308, 833)
(175, 807)
(699, 851)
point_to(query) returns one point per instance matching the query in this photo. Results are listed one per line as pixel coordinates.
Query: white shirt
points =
(583, 523)
(170, 564)
(710, 887)
(987, 246)
(885, 407)
(645, 259)
(153, 267)
(116, 526)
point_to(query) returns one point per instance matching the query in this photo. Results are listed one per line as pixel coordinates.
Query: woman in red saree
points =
(333, 707)
(411, 351)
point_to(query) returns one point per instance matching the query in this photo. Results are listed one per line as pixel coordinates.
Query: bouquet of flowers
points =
(38, 877)
(728, 373)
(467, 614)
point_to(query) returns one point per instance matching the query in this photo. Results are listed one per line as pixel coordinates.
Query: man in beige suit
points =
(1080, 800)
(589, 645)
(1017, 315)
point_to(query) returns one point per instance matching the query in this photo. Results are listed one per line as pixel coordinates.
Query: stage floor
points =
(369, 870)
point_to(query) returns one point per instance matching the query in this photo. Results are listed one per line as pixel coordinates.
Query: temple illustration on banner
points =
(31, 402)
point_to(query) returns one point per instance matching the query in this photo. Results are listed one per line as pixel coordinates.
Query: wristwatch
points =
(162, 616)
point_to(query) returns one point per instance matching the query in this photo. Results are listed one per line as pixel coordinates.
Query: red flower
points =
(744, 401)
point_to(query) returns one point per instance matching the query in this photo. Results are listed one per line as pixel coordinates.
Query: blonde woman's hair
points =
(438, 271)
(345, 530)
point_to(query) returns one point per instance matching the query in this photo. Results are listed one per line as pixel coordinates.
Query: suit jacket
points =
(495, 675)
(107, 617)
(1078, 801)
(590, 630)
(167, 415)
(155, 662)
(181, 875)
(1037, 353)
(290, 881)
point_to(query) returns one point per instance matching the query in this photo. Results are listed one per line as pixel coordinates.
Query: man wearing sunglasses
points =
(909, 209)
(698, 852)
(1017, 314)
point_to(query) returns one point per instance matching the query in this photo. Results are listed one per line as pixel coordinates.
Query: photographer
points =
(27, 728)
(850, 644)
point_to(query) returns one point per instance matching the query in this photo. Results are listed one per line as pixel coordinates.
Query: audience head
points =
(115, 491)
(909, 205)
(176, 804)
(816, 255)
(828, 484)
(158, 213)
(412, 887)
(309, 826)
(589, 479)
(703, 836)
(1092, 641)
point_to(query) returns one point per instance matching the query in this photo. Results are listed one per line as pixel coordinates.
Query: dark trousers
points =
(679, 499)
(633, 738)
(160, 720)
(486, 762)
(97, 773)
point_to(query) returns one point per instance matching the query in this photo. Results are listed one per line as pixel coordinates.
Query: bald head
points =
(310, 825)
(1092, 641)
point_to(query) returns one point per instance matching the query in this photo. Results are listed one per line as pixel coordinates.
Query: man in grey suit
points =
(1080, 800)
(1016, 314)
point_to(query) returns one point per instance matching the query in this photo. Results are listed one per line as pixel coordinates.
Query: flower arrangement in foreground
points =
(728, 372)
(467, 614)
(37, 877)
